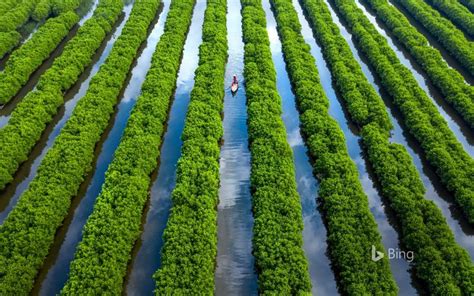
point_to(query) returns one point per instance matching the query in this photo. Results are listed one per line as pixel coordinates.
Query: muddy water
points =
(435, 191)
(54, 274)
(27, 171)
(7, 109)
(400, 268)
(460, 129)
(235, 274)
(452, 62)
(146, 255)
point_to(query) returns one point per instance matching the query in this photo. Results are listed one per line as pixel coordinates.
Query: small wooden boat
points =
(234, 87)
(235, 84)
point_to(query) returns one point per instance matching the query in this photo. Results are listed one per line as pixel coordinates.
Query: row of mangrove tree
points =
(101, 258)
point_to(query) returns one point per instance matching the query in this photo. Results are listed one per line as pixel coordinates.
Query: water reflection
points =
(7, 109)
(452, 62)
(54, 274)
(384, 218)
(435, 190)
(28, 170)
(314, 232)
(147, 256)
(459, 128)
(235, 274)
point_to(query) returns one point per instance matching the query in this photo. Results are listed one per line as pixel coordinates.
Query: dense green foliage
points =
(277, 232)
(85, 7)
(443, 265)
(351, 227)
(18, 16)
(458, 14)
(451, 84)
(46, 8)
(8, 40)
(443, 30)
(394, 169)
(469, 4)
(7, 5)
(42, 10)
(453, 165)
(37, 10)
(24, 61)
(109, 235)
(190, 237)
(36, 110)
(363, 103)
(12, 20)
(60, 6)
(29, 231)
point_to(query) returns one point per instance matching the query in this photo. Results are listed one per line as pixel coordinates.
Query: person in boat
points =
(235, 84)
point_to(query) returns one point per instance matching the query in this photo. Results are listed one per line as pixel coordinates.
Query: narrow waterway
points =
(27, 170)
(443, 16)
(85, 12)
(235, 272)
(146, 257)
(30, 34)
(435, 191)
(456, 124)
(26, 31)
(52, 277)
(400, 268)
(314, 232)
(6, 110)
(432, 41)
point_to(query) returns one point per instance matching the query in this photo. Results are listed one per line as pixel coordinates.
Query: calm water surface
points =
(27, 171)
(400, 268)
(460, 129)
(235, 274)
(435, 190)
(54, 274)
(7, 109)
(147, 253)
(314, 232)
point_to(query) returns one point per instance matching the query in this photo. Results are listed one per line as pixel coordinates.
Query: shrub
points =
(114, 225)
(190, 237)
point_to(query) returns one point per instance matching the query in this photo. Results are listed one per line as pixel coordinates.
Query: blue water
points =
(147, 256)
(6, 109)
(459, 128)
(400, 268)
(235, 273)
(314, 233)
(435, 191)
(27, 171)
(55, 274)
